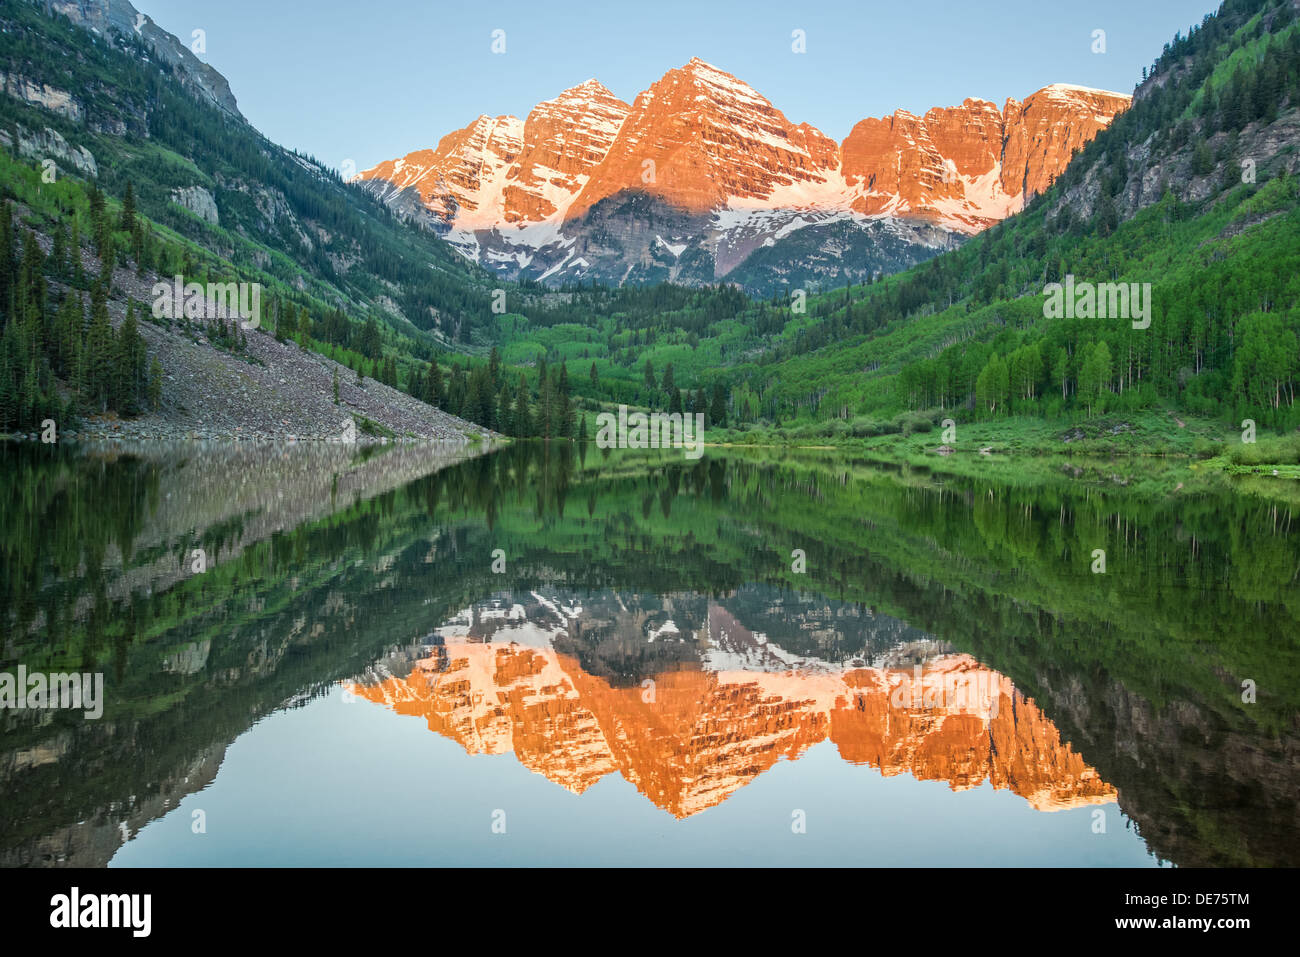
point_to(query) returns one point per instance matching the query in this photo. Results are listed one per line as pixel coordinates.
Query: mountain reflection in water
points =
(494, 680)
(631, 627)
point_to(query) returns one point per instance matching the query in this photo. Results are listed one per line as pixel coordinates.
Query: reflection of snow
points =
(667, 628)
(734, 648)
(571, 612)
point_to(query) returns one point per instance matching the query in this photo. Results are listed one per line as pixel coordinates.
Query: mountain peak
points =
(719, 78)
(587, 89)
(1069, 89)
(120, 17)
(728, 171)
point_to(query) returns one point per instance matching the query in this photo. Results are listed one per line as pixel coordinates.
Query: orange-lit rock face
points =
(1043, 132)
(564, 140)
(703, 141)
(507, 171)
(972, 165)
(701, 735)
(455, 178)
(710, 138)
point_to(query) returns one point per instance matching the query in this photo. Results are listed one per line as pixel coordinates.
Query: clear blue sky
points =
(369, 81)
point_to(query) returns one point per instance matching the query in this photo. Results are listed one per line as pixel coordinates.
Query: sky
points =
(358, 83)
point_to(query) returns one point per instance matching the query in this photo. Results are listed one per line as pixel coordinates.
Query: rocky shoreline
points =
(132, 431)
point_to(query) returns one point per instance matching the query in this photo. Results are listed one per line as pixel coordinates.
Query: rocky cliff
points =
(967, 167)
(701, 171)
(108, 17)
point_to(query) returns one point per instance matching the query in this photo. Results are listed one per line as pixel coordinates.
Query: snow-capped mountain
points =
(701, 171)
(502, 173)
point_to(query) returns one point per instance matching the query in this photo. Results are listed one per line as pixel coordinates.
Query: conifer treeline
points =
(488, 395)
(492, 396)
(59, 352)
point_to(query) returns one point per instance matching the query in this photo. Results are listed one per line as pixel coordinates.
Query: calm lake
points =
(405, 655)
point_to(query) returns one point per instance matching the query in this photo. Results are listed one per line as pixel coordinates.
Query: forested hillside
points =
(109, 160)
(104, 369)
(209, 176)
(1192, 191)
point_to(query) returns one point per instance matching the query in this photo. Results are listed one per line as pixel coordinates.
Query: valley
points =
(652, 478)
(1186, 188)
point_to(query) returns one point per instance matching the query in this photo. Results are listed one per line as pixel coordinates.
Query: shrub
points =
(913, 422)
(1204, 448)
(1272, 450)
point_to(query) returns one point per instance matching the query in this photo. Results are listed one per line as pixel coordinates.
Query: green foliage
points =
(967, 334)
(963, 334)
(996, 567)
(1273, 450)
(367, 426)
(54, 361)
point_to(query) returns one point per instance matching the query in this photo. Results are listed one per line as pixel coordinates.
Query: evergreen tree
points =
(371, 342)
(78, 270)
(1106, 217)
(433, 387)
(97, 358)
(505, 417)
(69, 330)
(98, 219)
(1202, 159)
(718, 412)
(563, 406)
(473, 409)
(6, 254)
(456, 391)
(545, 422)
(58, 262)
(127, 223)
(31, 290)
(522, 416)
(128, 368)
(286, 324)
(8, 385)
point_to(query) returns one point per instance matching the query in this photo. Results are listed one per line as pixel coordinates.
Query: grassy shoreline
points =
(1143, 435)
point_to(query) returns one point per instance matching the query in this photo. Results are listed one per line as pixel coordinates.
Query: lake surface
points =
(398, 655)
